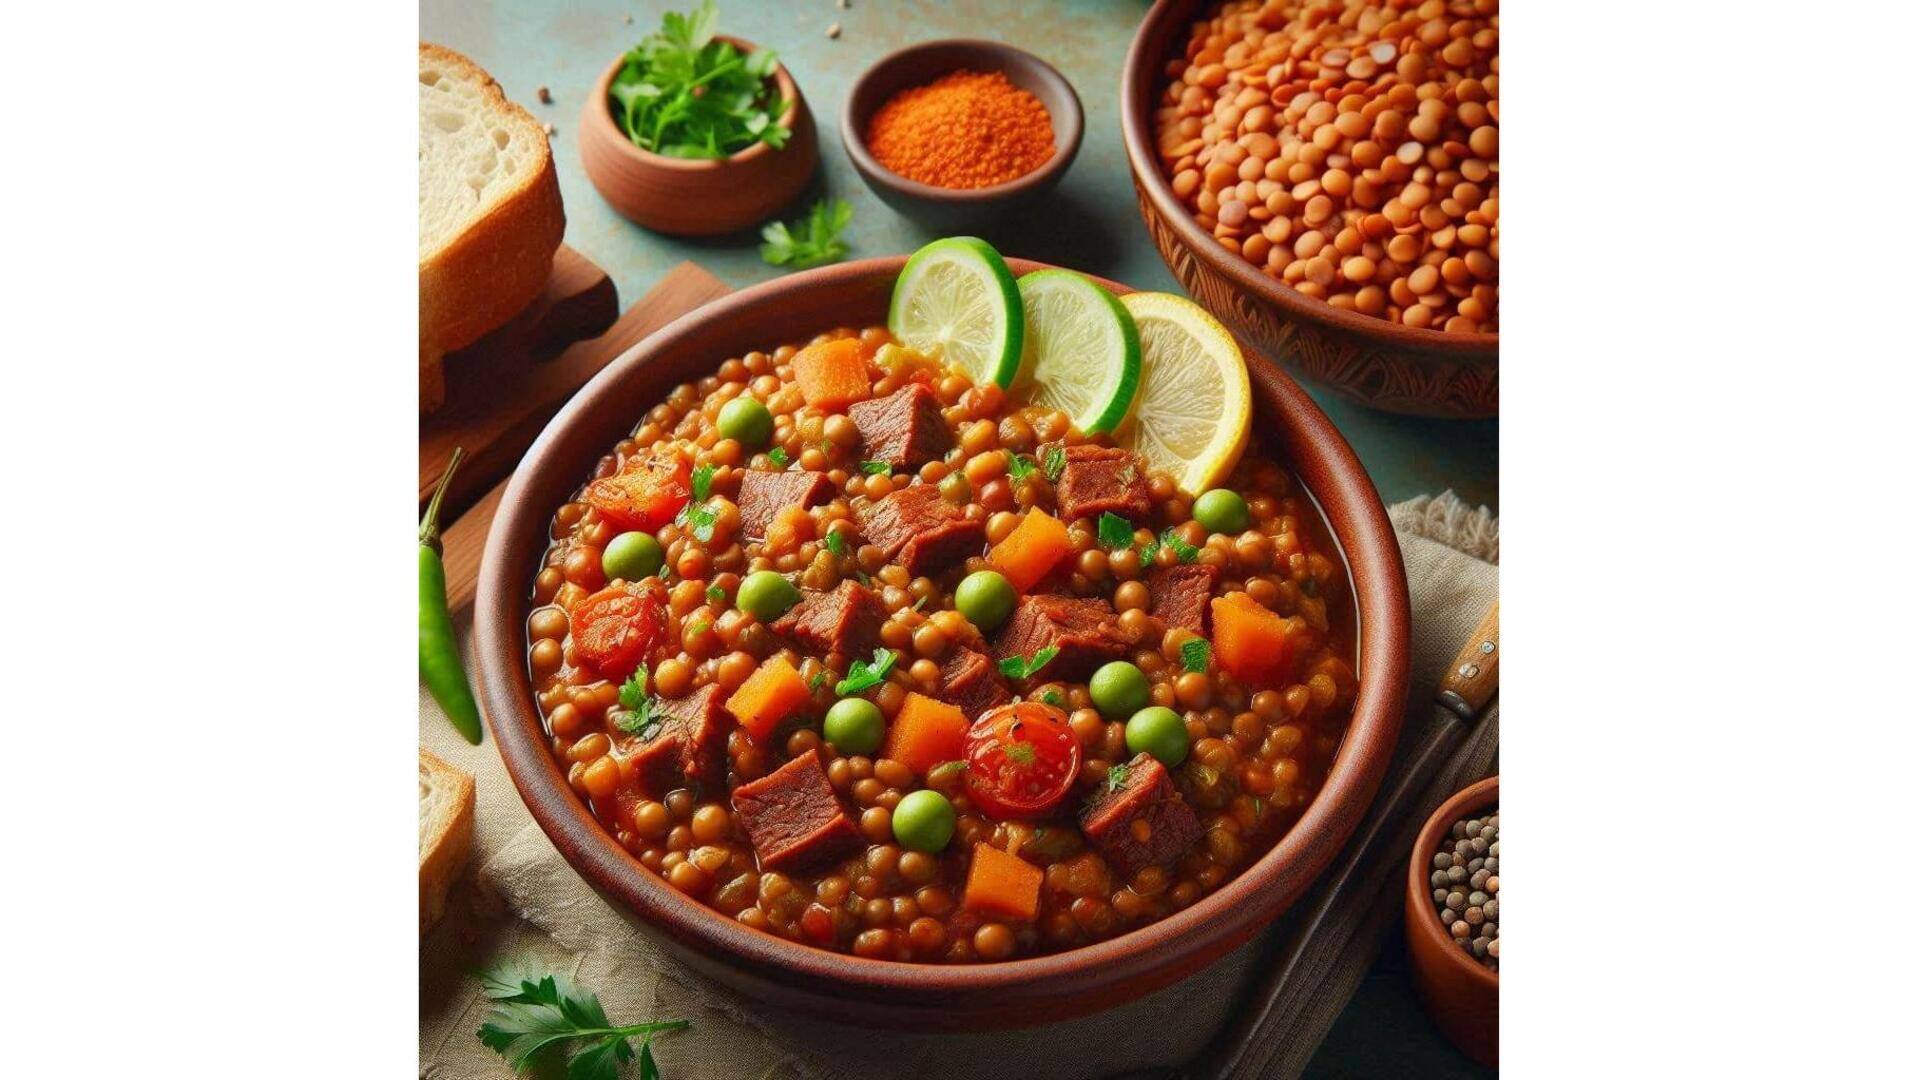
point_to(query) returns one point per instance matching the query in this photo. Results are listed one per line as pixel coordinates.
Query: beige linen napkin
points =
(520, 899)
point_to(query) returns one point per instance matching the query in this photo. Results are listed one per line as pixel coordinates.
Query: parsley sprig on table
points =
(536, 1017)
(814, 240)
(682, 94)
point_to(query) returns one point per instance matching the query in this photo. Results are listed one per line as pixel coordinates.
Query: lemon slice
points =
(1191, 414)
(1082, 353)
(956, 300)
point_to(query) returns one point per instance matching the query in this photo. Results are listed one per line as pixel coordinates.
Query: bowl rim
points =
(1230, 914)
(782, 79)
(1468, 800)
(1068, 129)
(1139, 76)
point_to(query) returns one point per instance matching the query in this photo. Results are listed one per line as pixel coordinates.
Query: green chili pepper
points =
(440, 666)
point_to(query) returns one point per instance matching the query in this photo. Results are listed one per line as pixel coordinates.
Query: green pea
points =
(854, 726)
(1119, 689)
(1221, 510)
(747, 420)
(632, 556)
(985, 598)
(766, 595)
(923, 821)
(1159, 731)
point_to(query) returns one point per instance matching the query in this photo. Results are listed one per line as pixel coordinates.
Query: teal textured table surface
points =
(1091, 223)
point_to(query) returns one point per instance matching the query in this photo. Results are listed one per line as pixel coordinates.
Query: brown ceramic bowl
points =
(1385, 365)
(1462, 997)
(955, 209)
(688, 197)
(876, 992)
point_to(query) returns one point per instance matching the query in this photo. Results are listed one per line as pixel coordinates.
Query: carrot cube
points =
(1249, 641)
(1030, 551)
(833, 374)
(925, 733)
(769, 695)
(1001, 884)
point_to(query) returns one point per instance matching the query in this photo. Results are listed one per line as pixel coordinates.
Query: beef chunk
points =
(846, 620)
(920, 530)
(1099, 479)
(1143, 823)
(969, 680)
(700, 718)
(659, 760)
(764, 494)
(903, 429)
(793, 817)
(1178, 595)
(1086, 632)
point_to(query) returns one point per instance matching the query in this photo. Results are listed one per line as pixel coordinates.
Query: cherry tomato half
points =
(645, 494)
(1021, 759)
(613, 629)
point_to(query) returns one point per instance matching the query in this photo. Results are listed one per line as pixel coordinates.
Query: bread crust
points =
(447, 839)
(479, 279)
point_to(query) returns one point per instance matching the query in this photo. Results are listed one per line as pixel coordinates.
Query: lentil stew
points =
(835, 726)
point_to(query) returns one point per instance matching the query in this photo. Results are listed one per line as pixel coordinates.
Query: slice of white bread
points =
(490, 217)
(446, 832)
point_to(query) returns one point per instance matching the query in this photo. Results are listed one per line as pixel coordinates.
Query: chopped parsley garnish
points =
(920, 603)
(1117, 777)
(1115, 532)
(699, 521)
(814, 240)
(1053, 698)
(779, 456)
(819, 679)
(1171, 538)
(876, 468)
(716, 594)
(703, 482)
(946, 769)
(1021, 667)
(1019, 467)
(536, 1017)
(837, 543)
(1196, 654)
(864, 675)
(1056, 460)
(641, 717)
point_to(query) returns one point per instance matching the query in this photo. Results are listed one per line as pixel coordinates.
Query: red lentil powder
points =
(967, 129)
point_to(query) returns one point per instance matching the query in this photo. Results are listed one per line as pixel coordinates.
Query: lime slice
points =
(1193, 409)
(957, 301)
(1082, 353)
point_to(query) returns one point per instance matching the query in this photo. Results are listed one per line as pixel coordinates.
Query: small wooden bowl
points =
(1462, 997)
(853, 989)
(956, 209)
(690, 197)
(1385, 365)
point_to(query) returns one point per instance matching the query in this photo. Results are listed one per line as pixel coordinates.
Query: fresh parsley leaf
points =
(1020, 667)
(837, 543)
(864, 675)
(533, 1013)
(1056, 460)
(1115, 532)
(703, 482)
(680, 93)
(1196, 654)
(1171, 538)
(1019, 467)
(1148, 550)
(779, 456)
(819, 679)
(716, 594)
(700, 519)
(814, 240)
(863, 578)
(1117, 777)
(1053, 698)
(876, 468)
(633, 692)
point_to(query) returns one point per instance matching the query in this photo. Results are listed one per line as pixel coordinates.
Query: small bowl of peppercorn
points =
(955, 133)
(1453, 919)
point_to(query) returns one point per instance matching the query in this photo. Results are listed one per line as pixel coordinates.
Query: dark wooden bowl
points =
(876, 992)
(959, 209)
(688, 197)
(1385, 365)
(1462, 997)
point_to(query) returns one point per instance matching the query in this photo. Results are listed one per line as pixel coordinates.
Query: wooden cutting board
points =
(683, 289)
